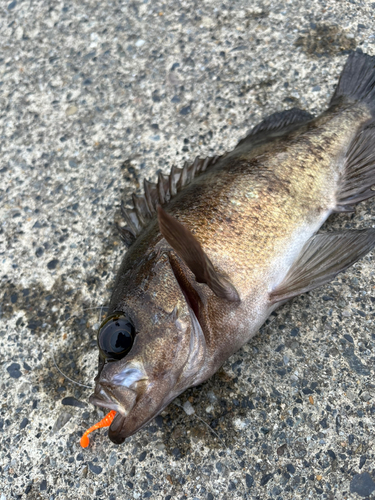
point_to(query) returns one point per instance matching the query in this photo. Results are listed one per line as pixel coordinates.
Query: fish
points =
(216, 246)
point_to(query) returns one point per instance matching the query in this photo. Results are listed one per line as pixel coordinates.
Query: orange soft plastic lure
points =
(105, 422)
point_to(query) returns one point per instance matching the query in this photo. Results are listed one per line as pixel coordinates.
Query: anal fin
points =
(321, 259)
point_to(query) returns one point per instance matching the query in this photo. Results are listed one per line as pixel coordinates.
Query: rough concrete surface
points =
(95, 96)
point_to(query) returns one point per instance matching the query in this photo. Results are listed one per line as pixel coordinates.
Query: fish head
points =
(166, 351)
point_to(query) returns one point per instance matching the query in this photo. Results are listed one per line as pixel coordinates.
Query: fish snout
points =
(136, 398)
(117, 386)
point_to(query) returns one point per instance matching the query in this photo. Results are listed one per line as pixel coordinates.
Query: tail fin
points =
(357, 80)
(358, 183)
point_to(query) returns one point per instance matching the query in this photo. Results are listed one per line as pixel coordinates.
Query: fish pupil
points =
(121, 341)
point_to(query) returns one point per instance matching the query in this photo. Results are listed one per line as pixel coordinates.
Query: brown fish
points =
(236, 237)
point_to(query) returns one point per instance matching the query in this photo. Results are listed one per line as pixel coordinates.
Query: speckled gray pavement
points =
(95, 96)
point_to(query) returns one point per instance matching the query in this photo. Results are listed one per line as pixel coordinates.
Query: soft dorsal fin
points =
(278, 121)
(167, 187)
(189, 249)
(321, 259)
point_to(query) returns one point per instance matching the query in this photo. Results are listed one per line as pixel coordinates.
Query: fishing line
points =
(52, 346)
(66, 376)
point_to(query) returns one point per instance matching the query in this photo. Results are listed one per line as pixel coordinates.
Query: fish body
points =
(236, 237)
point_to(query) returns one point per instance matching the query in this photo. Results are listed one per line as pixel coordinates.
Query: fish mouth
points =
(105, 398)
(120, 388)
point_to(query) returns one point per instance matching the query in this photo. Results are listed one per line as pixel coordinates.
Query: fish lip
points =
(104, 398)
(114, 431)
(118, 423)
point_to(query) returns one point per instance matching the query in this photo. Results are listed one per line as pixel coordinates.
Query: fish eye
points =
(116, 336)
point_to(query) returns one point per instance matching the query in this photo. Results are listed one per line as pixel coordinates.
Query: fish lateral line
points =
(104, 422)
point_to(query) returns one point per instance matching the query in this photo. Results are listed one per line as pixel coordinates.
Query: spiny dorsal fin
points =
(167, 187)
(189, 249)
(126, 235)
(278, 121)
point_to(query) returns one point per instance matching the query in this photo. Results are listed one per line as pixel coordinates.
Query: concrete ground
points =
(95, 96)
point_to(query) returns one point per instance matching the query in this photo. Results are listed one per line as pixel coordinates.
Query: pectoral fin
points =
(321, 259)
(189, 249)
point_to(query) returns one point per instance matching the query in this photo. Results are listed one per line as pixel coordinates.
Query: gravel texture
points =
(95, 96)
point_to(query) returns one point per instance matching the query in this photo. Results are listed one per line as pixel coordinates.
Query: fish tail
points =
(358, 181)
(357, 80)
